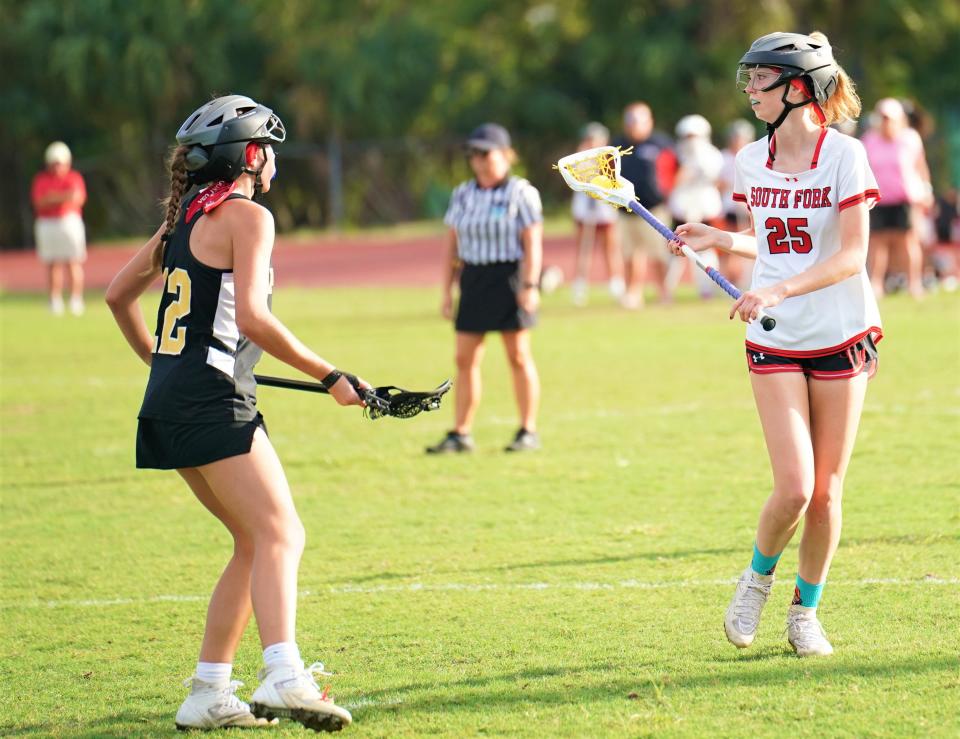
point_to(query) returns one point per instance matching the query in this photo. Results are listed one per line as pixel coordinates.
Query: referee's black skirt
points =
(167, 445)
(488, 299)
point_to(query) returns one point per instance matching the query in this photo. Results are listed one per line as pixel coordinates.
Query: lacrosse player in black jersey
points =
(199, 412)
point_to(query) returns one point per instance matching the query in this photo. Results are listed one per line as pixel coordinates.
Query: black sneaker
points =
(452, 443)
(524, 441)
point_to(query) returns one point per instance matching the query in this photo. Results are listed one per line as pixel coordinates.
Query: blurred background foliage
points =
(378, 94)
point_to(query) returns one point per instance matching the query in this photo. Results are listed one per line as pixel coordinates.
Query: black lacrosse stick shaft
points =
(381, 401)
(312, 387)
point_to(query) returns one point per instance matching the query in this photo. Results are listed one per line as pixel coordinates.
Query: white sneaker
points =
(214, 706)
(743, 613)
(56, 306)
(805, 633)
(616, 287)
(76, 306)
(288, 692)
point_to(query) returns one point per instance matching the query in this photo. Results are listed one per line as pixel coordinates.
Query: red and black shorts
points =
(844, 364)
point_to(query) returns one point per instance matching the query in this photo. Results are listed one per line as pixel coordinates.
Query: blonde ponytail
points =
(844, 104)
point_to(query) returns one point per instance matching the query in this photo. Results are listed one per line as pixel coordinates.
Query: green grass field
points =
(574, 592)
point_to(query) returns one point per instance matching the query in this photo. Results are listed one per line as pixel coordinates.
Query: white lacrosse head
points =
(597, 173)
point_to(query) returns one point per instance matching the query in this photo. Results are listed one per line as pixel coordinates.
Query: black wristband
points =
(330, 380)
(532, 284)
(353, 380)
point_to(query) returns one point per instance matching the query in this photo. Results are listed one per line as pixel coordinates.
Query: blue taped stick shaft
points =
(653, 221)
(767, 322)
(723, 282)
(669, 235)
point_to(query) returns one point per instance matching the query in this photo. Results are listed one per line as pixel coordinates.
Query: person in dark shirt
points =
(199, 415)
(651, 167)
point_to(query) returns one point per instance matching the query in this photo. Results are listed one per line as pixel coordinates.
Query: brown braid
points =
(179, 184)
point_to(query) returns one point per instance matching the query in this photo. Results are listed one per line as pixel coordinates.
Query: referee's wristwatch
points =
(331, 379)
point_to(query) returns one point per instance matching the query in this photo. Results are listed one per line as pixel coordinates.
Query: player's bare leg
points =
(782, 401)
(783, 406)
(253, 490)
(212, 703)
(835, 409)
(230, 605)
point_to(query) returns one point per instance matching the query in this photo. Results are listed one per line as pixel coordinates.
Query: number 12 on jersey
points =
(782, 237)
(172, 338)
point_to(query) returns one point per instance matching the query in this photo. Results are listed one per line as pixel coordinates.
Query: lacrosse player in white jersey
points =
(808, 189)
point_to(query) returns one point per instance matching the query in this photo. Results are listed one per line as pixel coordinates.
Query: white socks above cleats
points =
(282, 654)
(214, 672)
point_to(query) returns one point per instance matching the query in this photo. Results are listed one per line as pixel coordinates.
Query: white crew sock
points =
(283, 654)
(214, 672)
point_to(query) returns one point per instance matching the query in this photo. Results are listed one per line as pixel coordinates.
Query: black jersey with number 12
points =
(202, 367)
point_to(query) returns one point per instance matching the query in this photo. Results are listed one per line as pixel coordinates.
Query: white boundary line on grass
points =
(470, 588)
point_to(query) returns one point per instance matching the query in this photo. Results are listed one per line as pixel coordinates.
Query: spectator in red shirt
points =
(58, 195)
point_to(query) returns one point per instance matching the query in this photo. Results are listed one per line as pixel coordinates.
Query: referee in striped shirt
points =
(495, 252)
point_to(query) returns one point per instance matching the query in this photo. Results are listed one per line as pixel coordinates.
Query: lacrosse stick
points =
(386, 400)
(597, 173)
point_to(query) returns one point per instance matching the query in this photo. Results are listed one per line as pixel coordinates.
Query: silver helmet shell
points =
(798, 56)
(218, 132)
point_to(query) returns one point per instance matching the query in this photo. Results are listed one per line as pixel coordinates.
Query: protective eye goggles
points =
(759, 78)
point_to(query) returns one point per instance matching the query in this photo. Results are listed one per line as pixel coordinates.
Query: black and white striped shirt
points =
(489, 221)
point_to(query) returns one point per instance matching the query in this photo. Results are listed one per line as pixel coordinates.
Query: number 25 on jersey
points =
(782, 237)
(173, 338)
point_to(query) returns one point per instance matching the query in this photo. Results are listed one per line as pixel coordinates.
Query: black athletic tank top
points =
(202, 367)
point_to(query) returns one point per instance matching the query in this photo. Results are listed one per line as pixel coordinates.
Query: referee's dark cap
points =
(489, 136)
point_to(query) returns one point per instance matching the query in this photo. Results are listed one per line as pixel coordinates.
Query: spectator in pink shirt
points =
(896, 156)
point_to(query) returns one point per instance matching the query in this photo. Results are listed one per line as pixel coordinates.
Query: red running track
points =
(325, 262)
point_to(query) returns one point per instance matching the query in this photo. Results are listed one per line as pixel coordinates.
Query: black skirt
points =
(167, 445)
(896, 217)
(488, 299)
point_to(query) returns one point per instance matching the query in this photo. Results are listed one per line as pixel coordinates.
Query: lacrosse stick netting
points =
(597, 173)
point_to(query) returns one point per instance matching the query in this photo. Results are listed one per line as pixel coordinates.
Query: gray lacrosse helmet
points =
(218, 133)
(798, 56)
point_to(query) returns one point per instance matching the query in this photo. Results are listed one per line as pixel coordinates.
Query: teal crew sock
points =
(762, 564)
(806, 594)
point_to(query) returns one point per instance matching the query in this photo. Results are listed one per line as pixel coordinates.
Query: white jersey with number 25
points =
(796, 218)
